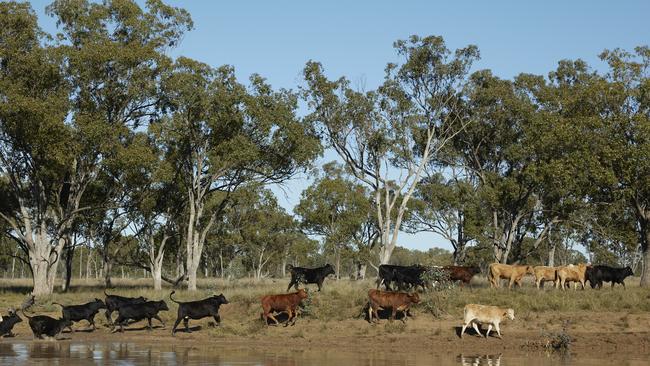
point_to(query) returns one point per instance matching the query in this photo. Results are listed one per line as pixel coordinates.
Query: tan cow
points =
(544, 273)
(513, 273)
(571, 273)
(493, 315)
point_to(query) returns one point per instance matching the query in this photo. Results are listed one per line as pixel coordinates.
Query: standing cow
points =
(513, 273)
(596, 275)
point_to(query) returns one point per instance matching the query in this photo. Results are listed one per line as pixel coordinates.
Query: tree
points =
(335, 209)
(219, 135)
(626, 133)
(387, 138)
(447, 208)
(34, 144)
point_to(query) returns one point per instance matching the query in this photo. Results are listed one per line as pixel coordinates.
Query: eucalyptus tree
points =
(447, 207)
(626, 151)
(40, 203)
(69, 107)
(388, 137)
(219, 134)
(334, 208)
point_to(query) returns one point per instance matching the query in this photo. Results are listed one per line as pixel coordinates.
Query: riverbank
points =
(585, 323)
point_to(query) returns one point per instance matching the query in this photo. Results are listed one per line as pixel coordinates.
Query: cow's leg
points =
(623, 283)
(92, 322)
(320, 284)
(476, 328)
(488, 331)
(186, 323)
(464, 327)
(108, 316)
(150, 327)
(270, 315)
(496, 326)
(217, 319)
(291, 283)
(370, 313)
(393, 311)
(178, 321)
(160, 320)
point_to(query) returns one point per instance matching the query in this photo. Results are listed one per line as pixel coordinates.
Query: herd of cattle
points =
(131, 309)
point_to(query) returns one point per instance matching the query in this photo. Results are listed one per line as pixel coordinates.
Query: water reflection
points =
(120, 353)
(487, 360)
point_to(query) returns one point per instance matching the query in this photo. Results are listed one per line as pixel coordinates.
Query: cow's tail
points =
(106, 293)
(171, 298)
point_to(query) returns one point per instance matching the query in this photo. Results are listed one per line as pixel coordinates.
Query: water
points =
(121, 353)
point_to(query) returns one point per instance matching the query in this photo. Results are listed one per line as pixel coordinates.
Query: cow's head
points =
(628, 271)
(302, 293)
(415, 298)
(99, 304)
(329, 270)
(474, 270)
(510, 314)
(161, 305)
(220, 299)
(63, 323)
(530, 270)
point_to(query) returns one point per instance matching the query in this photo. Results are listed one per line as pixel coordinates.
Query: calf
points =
(7, 323)
(397, 301)
(596, 275)
(85, 311)
(493, 315)
(282, 303)
(544, 273)
(461, 273)
(571, 273)
(198, 310)
(137, 312)
(43, 325)
(309, 275)
(513, 273)
(114, 302)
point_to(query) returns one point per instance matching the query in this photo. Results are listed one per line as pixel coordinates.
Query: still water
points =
(117, 353)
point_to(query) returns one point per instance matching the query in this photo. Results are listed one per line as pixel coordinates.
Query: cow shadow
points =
(181, 328)
(470, 331)
(282, 318)
(144, 327)
(384, 314)
(87, 330)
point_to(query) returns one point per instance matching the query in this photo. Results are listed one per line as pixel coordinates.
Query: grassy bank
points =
(343, 300)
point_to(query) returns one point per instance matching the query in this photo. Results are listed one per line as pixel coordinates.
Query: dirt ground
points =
(590, 334)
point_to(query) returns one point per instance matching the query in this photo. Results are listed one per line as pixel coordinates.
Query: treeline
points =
(163, 165)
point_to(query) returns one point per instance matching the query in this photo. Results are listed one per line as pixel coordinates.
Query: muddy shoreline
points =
(422, 335)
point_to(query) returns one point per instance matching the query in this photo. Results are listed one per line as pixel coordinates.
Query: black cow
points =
(44, 325)
(309, 275)
(114, 302)
(403, 276)
(137, 312)
(198, 310)
(596, 275)
(8, 322)
(85, 311)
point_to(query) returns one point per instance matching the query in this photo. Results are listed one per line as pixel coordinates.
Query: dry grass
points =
(344, 300)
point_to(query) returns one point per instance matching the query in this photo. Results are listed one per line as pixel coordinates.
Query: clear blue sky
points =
(354, 38)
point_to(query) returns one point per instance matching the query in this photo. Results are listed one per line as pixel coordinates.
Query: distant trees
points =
(162, 165)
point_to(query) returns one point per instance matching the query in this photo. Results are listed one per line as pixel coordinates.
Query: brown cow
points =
(282, 303)
(544, 273)
(461, 273)
(571, 273)
(513, 273)
(397, 301)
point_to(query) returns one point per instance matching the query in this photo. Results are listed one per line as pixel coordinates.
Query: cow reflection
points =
(487, 360)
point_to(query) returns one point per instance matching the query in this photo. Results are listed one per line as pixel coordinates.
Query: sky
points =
(354, 39)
